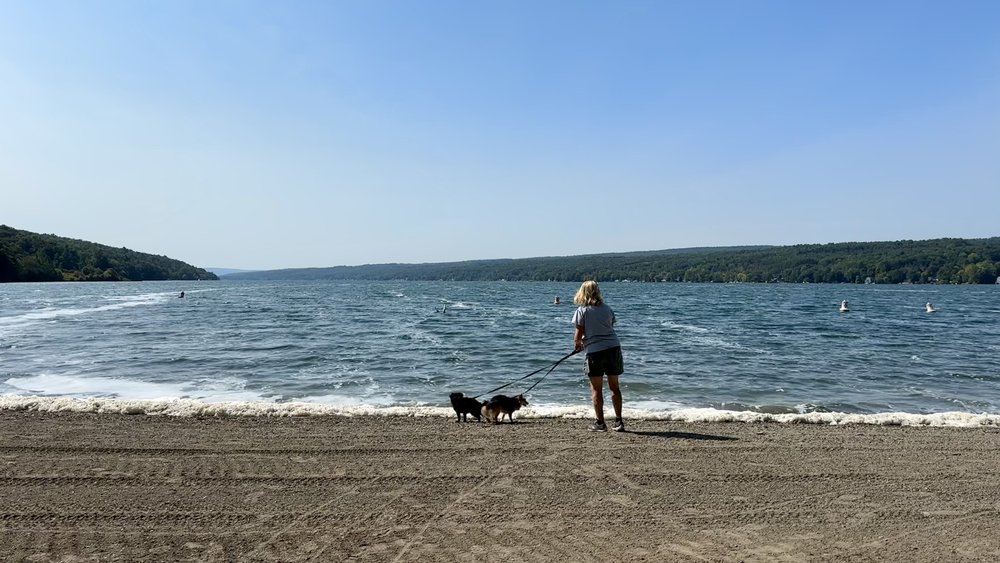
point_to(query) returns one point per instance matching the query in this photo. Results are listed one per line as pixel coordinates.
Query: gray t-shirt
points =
(598, 323)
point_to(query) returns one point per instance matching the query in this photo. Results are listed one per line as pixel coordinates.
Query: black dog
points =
(465, 406)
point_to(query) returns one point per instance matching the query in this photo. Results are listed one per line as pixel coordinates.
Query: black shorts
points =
(605, 362)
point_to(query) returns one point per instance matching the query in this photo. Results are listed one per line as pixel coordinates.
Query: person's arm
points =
(578, 339)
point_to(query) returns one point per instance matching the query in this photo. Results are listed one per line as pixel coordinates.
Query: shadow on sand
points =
(684, 436)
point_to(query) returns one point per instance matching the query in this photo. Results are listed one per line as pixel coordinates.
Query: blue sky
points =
(291, 134)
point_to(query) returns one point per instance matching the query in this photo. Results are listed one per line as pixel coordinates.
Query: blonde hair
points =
(588, 294)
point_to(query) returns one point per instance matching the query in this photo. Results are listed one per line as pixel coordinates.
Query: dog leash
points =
(559, 361)
(547, 373)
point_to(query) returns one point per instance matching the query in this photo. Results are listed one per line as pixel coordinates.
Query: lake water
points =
(692, 351)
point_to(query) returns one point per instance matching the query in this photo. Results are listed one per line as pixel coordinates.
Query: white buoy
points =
(843, 306)
(930, 308)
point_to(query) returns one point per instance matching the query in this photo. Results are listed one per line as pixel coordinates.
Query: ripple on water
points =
(761, 348)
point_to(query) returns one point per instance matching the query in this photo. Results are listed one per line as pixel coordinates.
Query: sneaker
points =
(599, 426)
(619, 425)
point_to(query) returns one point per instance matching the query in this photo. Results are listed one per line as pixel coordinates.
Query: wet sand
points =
(83, 487)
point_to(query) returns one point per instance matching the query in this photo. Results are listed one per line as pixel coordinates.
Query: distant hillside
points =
(27, 256)
(929, 261)
(226, 271)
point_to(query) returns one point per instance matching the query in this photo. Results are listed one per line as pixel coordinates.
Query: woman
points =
(594, 322)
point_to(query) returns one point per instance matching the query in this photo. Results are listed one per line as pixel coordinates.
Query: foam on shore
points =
(194, 408)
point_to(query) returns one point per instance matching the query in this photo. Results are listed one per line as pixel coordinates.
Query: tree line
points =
(946, 260)
(29, 257)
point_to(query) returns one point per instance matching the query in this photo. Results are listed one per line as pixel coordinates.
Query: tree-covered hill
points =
(929, 261)
(27, 256)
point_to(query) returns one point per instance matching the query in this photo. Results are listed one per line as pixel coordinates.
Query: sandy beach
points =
(86, 487)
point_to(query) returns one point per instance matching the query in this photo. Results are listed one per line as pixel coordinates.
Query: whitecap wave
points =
(195, 408)
(55, 313)
(683, 327)
(127, 389)
(337, 407)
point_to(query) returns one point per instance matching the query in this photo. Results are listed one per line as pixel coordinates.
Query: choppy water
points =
(401, 347)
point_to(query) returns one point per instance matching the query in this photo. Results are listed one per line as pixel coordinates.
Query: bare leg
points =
(597, 396)
(616, 394)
